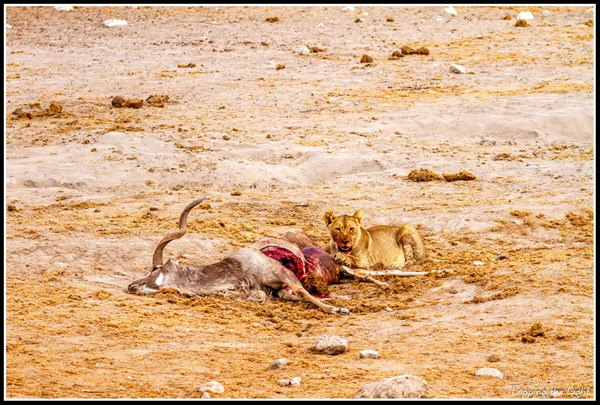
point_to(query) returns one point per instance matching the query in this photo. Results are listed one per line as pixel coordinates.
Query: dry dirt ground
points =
(274, 139)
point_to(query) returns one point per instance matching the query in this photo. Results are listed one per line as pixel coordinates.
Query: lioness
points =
(382, 245)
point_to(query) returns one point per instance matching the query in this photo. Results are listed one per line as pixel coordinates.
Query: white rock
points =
(114, 23)
(369, 354)
(295, 381)
(492, 372)
(329, 344)
(8, 26)
(319, 25)
(454, 68)
(279, 363)
(303, 50)
(344, 311)
(403, 386)
(348, 8)
(525, 15)
(283, 382)
(450, 10)
(211, 386)
(206, 395)
(478, 263)
(63, 8)
(546, 12)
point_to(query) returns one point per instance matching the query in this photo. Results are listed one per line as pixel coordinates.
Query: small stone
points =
(280, 66)
(478, 263)
(283, 382)
(344, 311)
(525, 15)
(403, 386)
(226, 137)
(236, 193)
(488, 371)
(114, 23)
(358, 20)
(272, 19)
(388, 309)
(134, 103)
(521, 23)
(118, 102)
(450, 10)
(366, 59)
(348, 8)
(279, 363)
(389, 19)
(493, 358)
(332, 345)
(454, 68)
(295, 381)
(205, 395)
(211, 386)
(303, 50)
(369, 354)
(452, 290)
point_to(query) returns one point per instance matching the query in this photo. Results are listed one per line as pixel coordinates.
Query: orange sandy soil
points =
(90, 189)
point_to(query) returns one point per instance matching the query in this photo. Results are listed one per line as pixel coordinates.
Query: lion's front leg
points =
(343, 259)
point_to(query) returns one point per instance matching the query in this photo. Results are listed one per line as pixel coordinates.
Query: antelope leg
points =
(361, 275)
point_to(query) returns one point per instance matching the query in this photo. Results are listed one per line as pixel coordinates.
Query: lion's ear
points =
(358, 215)
(328, 217)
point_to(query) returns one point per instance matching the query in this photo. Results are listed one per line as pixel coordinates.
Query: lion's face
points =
(344, 230)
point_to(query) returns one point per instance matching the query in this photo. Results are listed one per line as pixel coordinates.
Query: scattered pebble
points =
(328, 344)
(279, 363)
(114, 23)
(403, 386)
(186, 65)
(407, 50)
(157, 101)
(344, 311)
(272, 19)
(205, 395)
(525, 15)
(236, 193)
(134, 103)
(388, 309)
(492, 372)
(389, 19)
(358, 20)
(366, 59)
(211, 386)
(501, 257)
(63, 8)
(450, 10)
(303, 50)
(521, 23)
(295, 381)
(11, 208)
(419, 175)
(283, 382)
(462, 175)
(493, 358)
(316, 49)
(478, 263)
(369, 354)
(120, 101)
(348, 8)
(396, 55)
(280, 66)
(454, 68)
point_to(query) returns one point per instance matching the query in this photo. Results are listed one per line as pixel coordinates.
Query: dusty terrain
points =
(90, 189)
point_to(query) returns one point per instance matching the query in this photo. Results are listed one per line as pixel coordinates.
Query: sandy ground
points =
(90, 189)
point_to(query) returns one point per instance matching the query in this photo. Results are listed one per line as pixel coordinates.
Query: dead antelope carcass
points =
(268, 266)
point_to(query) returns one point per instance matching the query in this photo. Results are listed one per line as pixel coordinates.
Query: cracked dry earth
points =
(274, 139)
